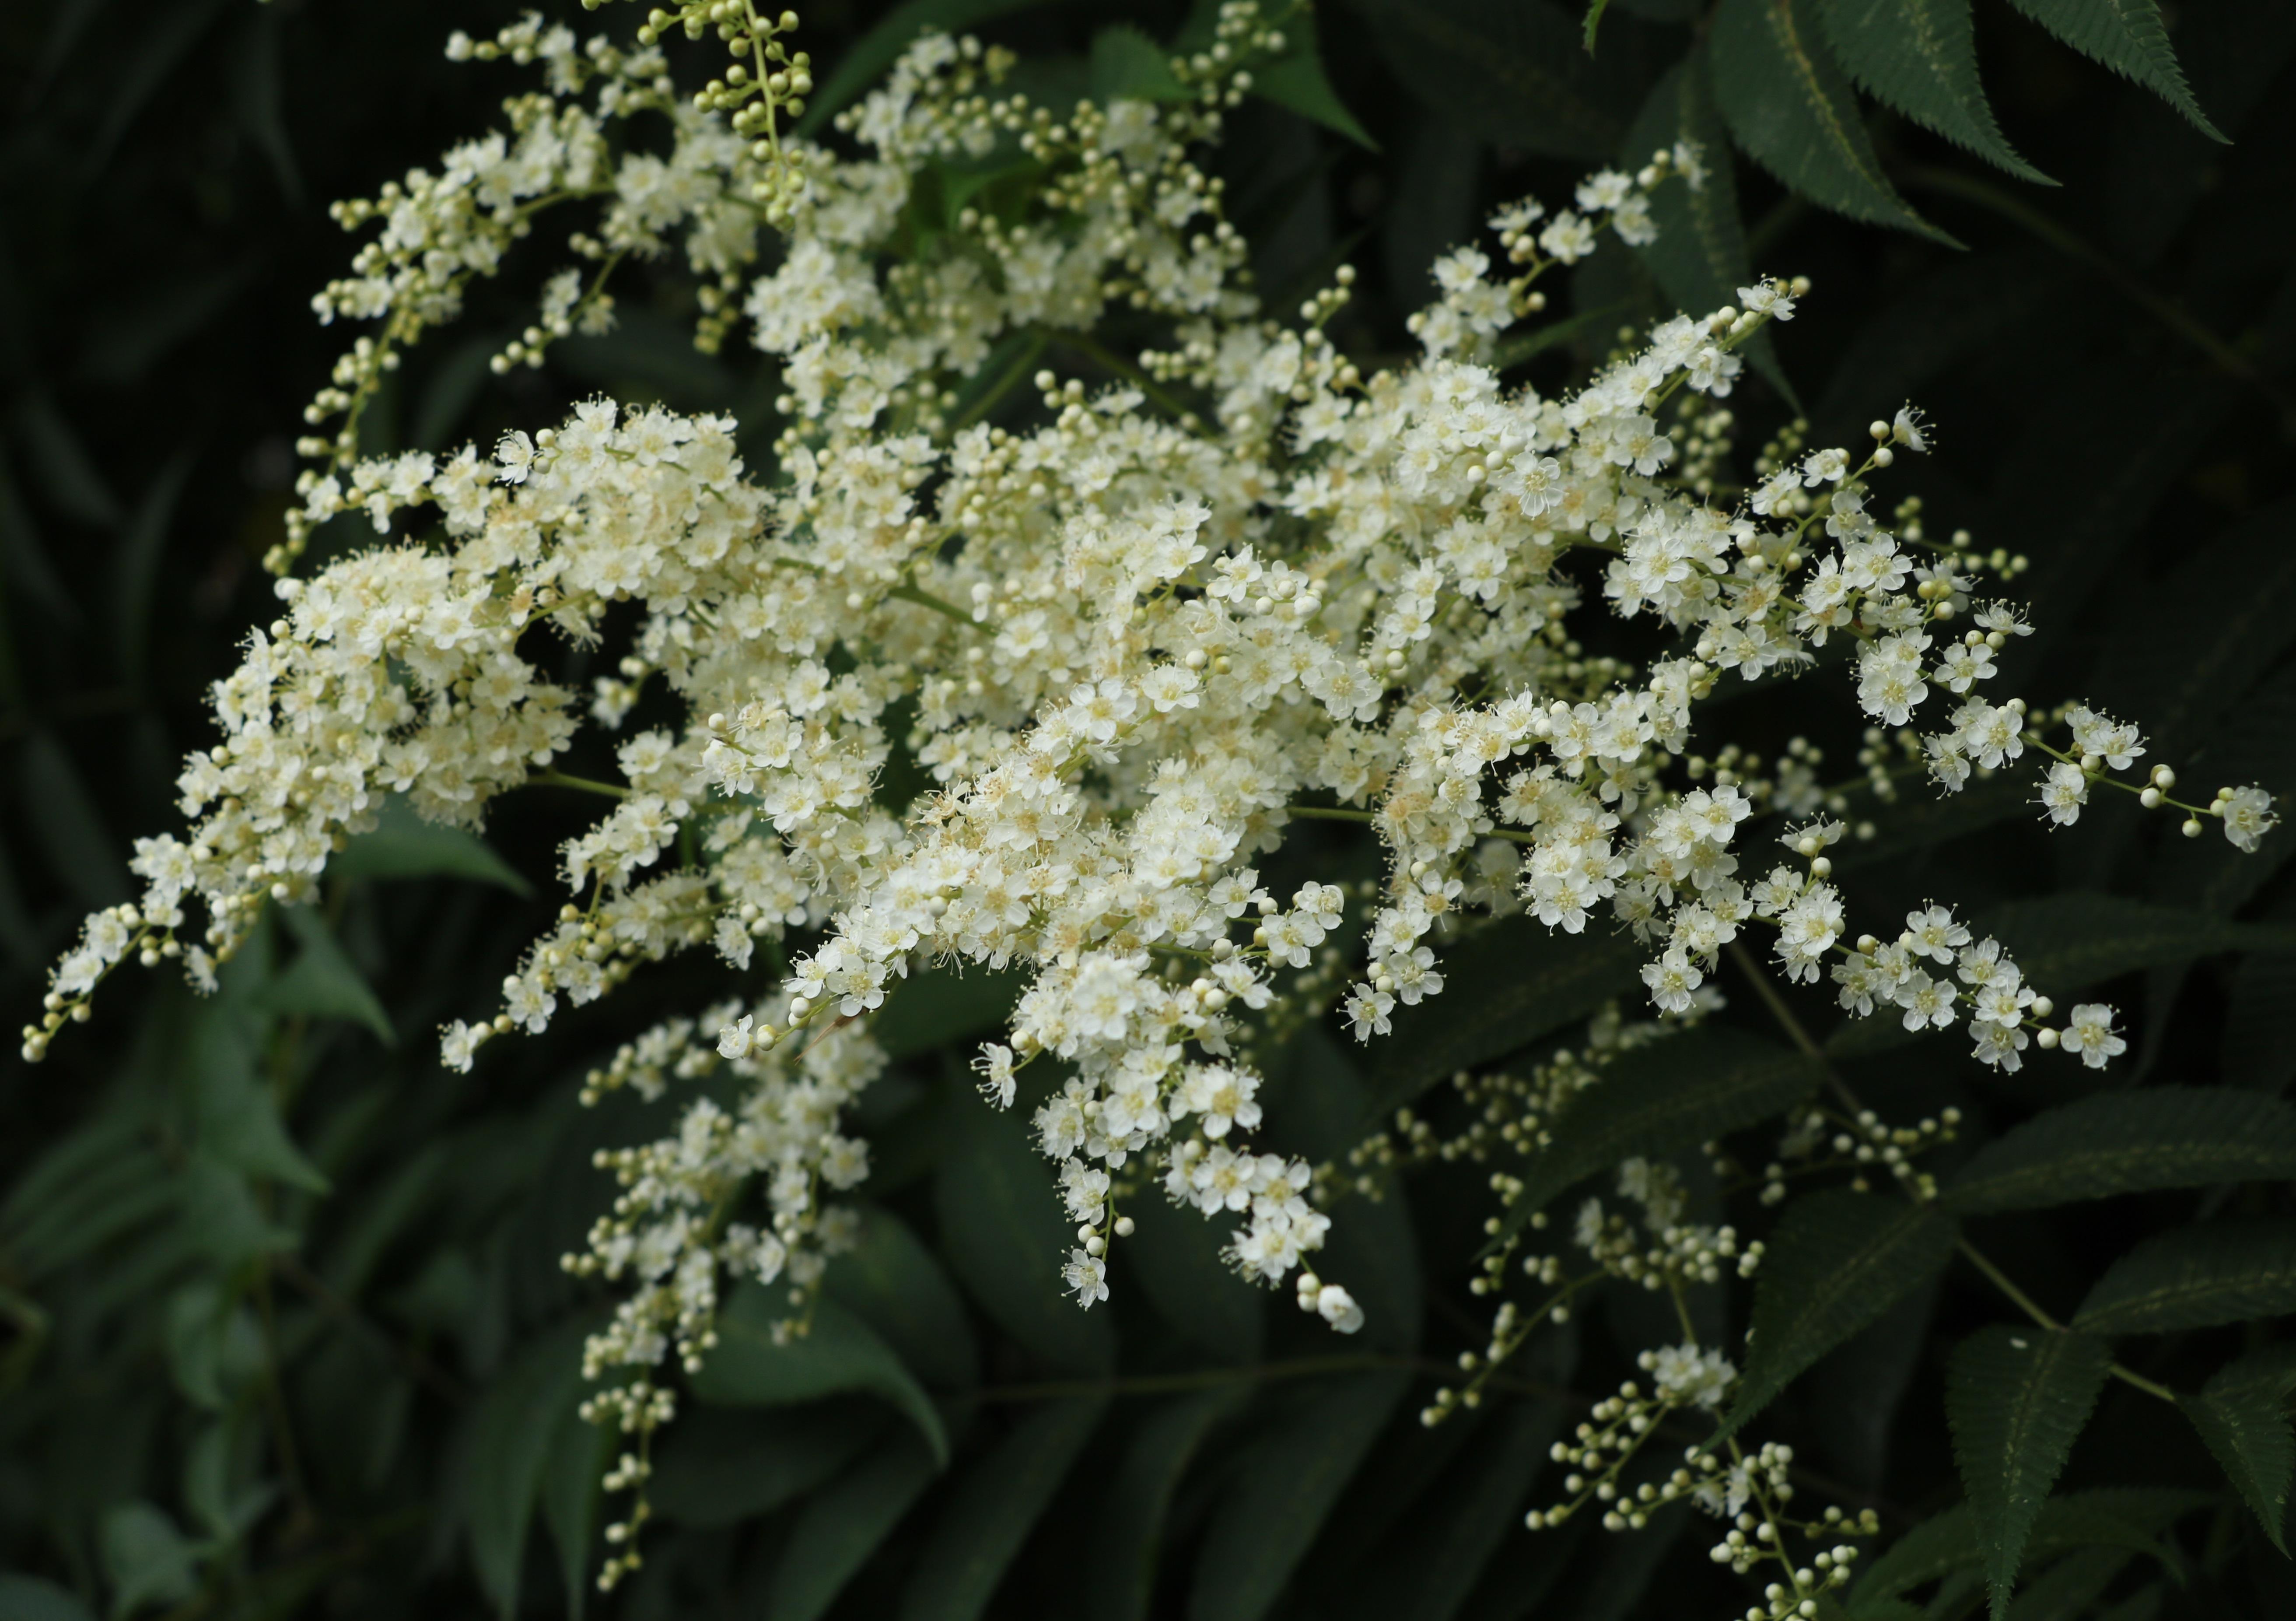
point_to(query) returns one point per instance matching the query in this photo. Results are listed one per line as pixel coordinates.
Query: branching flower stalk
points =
(1131, 638)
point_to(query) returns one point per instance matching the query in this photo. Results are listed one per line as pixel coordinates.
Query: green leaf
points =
(1920, 57)
(146, 1559)
(1595, 10)
(1505, 986)
(1003, 1231)
(1699, 255)
(1513, 70)
(2242, 1415)
(220, 1214)
(1317, 1110)
(2017, 1400)
(1484, 1512)
(24, 1598)
(992, 1510)
(736, 1466)
(1127, 64)
(2071, 1586)
(840, 1352)
(323, 982)
(1789, 107)
(2130, 1142)
(891, 1282)
(842, 1526)
(512, 1430)
(2066, 941)
(1671, 1094)
(944, 1003)
(403, 845)
(59, 459)
(1175, 1254)
(137, 578)
(2118, 1517)
(2197, 1278)
(2129, 36)
(238, 1118)
(572, 1478)
(1835, 1263)
(863, 63)
(1284, 1485)
(65, 821)
(1295, 81)
(1130, 1531)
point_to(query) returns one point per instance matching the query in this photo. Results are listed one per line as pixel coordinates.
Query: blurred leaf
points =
(737, 1466)
(136, 580)
(255, 96)
(1003, 1231)
(1699, 255)
(1284, 1484)
(1508, 984)
(1513, 70)
(448, 393)
(2017, 1400)
(2117, 1516)
(238, 1118)
(2242, 1415)
(1126, 62)
(146, 1559)
(512, 1430)
(838, 1528)
(892, 1283)
(1295, 80)
(1836, 1262)
(63, 465)
(1920, 57)
(2130, 1142)
(1438, 186)
(220, 1214)
(1487, 1508)
(2257, 1053)
(867, 58)
(403, 845)
(152, 53)
(571, 1475)
(1789, 107)
(1671, 1094)
(839, 1354)
(24, 1598)
(993, 1507)
(2196, 1277)
(23, 556)
(64, 819)
(1128, 1532)
(127, 344)
(322, 981)
(947, 1002)
(1174, 1253)
(2129, 36)
(1371, 1248)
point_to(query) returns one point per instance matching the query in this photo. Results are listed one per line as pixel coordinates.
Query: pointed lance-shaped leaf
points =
(2242, 1415)
(1920, 57)
(2130, 38)
(1790, 107)
(2017, 1399)
(2130, 1142)
(2197, 1277)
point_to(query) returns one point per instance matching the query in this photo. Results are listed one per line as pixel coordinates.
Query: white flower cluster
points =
(1130, 642)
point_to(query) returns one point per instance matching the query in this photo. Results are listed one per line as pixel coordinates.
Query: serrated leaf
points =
(2116, 1517)
(512, 1430)
(1699, 255)
(839, 1354)
(2066, 941)
(1920, 57)
(1793, 112)
(322, 982)
(2017, 1400)
(2197, 1278)
(2242, 1415)
(1128, 1532)
(1505, 986)
(2129, 36)
(1513, 70)
(891, 1282)
(2130, 1142)
(1174, 1253)
(1126, 62)
(1837, 1261)
(738, 1466)
(1295, 80)
(1672, 1094)
(1002, 1231)
(840, 1527)
(992, 1510)
(2070, 1587)
(1284, 1485)
(403, 845)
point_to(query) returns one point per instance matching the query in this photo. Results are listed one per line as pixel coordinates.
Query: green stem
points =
(906, 592)
(1330, 813)
(1109, 360)
(1020, 368)
(581, 785)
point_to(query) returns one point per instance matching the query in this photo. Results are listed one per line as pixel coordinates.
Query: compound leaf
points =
(1920, 57)
(2017, 1400)
(2242, 1415)
(2130, 1142)
(2129, 36)
(1789, 107)
(840, 1352)
(1836, 1263)
(2197, 1278)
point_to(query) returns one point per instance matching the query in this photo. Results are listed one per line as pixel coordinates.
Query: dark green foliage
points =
(283, 1327)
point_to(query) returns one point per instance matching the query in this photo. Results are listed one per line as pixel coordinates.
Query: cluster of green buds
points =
(766, 83)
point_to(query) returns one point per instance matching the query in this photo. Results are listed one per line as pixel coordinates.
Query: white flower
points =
(1338, 1308)
(2088, 1032)
(1087, 1276)
(2248, 816)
